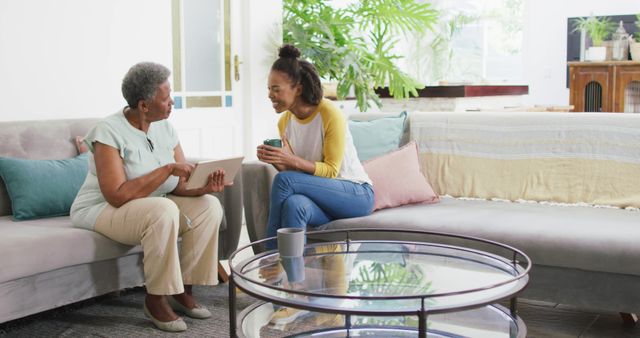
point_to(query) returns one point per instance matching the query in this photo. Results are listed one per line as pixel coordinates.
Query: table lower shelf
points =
(493, 321)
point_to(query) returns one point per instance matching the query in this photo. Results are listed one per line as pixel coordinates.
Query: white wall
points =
(66, 58)
(263, 35)
(545, 42)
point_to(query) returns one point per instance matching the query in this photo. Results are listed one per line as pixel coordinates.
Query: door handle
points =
(236, 67)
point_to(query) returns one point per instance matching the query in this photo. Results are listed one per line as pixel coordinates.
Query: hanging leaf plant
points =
(354, 45)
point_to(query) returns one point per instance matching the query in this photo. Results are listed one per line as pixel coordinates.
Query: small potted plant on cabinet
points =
(598, 29)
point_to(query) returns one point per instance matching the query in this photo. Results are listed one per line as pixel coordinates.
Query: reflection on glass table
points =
(489, 321)
(372, 286)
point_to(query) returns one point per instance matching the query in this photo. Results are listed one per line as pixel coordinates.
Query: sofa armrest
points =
(231, 200)
(258, 177)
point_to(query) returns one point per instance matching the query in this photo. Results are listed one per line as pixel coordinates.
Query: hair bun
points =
(289, 51)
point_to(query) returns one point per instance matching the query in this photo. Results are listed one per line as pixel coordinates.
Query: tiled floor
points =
(556, 320)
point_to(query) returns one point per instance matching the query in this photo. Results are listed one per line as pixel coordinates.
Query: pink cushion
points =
(397, 179)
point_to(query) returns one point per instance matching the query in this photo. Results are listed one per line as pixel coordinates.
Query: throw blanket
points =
(589, 158)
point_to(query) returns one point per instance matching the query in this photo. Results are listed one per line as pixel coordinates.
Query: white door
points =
(206, 80)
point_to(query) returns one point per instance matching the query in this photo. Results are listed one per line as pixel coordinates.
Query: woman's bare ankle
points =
(159, 308)
(186, 299)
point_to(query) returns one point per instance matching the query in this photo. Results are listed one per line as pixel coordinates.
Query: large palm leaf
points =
(335, 41)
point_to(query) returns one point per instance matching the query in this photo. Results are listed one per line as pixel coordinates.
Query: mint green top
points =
(140, 156)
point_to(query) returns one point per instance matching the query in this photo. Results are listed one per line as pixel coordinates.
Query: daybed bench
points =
(562, 187)
(46, 262)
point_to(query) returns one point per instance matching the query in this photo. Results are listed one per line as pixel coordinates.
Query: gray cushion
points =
(562, 236)
(35, 246)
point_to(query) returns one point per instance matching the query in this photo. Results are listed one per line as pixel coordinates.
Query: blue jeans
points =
(299, 200)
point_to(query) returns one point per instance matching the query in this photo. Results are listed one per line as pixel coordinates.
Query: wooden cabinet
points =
(610, 86)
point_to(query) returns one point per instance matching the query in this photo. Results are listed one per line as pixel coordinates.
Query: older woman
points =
(135, 194)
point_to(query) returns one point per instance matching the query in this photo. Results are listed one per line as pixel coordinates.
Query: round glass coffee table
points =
(380, 283)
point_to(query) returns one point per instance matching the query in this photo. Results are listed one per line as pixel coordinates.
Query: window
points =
(474, 42)
(201, 53)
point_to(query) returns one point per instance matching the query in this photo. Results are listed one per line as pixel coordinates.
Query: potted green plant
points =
(354, 44)
(598, 29)
(634, 46)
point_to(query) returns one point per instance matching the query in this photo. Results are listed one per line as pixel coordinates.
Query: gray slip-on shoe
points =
(198, 312)
(177, 325)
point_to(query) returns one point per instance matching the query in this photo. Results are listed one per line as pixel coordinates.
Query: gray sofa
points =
(562, 187)
(47, 263)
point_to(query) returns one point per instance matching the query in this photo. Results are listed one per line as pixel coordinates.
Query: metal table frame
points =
(237, 279)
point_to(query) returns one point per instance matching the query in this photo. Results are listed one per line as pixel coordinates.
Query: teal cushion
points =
(42, 188)
(377, 137)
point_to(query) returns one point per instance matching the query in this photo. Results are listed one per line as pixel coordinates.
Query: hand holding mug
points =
(274, 142)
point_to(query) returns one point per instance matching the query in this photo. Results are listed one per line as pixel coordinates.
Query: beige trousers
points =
(156, 223)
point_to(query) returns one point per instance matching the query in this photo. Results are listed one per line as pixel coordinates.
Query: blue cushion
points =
(42, 188)
(377, 137)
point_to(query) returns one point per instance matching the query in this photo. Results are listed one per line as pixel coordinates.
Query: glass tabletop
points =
(492, 321)
(379, 277)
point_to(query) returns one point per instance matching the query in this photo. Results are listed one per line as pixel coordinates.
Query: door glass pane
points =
(201, 34)
(632, 97)
(204, 45)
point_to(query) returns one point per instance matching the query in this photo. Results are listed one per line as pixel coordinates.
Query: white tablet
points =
(200, 173)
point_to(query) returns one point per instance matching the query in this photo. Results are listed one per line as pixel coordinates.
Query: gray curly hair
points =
(142, 81)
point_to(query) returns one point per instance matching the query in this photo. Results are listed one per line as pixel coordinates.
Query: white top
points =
(324, 138)
(141, 154)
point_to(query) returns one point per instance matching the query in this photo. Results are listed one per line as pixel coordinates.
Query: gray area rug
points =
(122, 316)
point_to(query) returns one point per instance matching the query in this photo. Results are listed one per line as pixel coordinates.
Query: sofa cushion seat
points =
(554, 235)
(31, 247)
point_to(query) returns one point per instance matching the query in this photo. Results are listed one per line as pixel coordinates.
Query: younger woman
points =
(321, 178)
